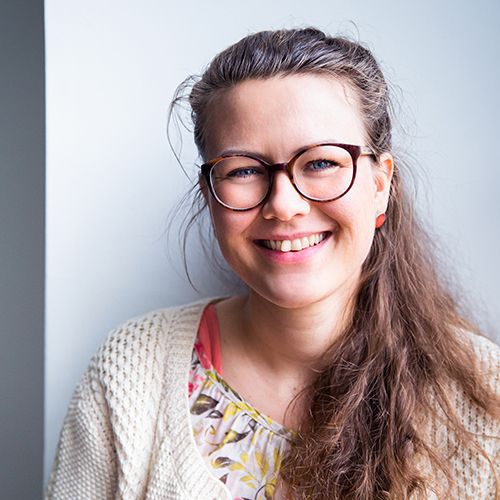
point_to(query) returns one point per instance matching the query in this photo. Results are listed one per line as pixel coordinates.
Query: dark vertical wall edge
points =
(22, 247)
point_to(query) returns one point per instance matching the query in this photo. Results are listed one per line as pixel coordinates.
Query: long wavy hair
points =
(362, 436)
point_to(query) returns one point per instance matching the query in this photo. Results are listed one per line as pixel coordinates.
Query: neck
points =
(282, 341)
(271, 353)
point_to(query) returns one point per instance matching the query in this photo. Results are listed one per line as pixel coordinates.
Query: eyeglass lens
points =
(321, 173)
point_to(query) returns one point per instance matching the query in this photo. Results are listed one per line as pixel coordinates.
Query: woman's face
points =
(273, 119)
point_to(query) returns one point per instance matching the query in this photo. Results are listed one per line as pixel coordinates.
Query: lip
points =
(292, 257)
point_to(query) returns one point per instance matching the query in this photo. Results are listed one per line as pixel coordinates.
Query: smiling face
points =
(274, 119)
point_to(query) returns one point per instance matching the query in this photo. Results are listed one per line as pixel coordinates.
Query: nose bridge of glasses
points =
(278, 167)
(286, 168)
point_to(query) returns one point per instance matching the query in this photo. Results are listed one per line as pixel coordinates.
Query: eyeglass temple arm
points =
(365, 150)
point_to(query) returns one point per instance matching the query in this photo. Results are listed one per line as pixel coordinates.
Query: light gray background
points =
(112, 67)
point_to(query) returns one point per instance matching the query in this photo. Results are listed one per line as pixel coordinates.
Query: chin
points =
(288, 298)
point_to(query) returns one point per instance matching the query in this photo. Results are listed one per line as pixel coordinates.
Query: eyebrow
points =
(263, 157)
(236, 152)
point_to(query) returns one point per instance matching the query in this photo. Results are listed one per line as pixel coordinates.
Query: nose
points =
(284, 201)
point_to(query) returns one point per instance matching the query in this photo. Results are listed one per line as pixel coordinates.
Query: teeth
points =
(297, 244)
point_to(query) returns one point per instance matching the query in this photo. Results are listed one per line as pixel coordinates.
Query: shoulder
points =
(130, 367)
(473, 470)
(131, 375)
(486, 349)
(117, 417)
(487, 353)
(146, 339)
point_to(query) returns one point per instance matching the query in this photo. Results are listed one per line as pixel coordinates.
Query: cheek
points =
(352, 214)
(355, 218)
(230, 228)
(358, 206)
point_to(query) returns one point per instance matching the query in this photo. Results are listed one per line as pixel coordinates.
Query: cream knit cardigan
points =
(127, 434)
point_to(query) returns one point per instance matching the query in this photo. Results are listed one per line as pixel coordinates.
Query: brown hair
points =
(404, 346)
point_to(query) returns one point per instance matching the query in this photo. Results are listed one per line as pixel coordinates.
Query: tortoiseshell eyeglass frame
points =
(354, 151)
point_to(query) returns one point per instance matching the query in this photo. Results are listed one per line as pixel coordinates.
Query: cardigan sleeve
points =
(85, 466)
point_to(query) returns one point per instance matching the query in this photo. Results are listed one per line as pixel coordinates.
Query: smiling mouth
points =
(294, 245)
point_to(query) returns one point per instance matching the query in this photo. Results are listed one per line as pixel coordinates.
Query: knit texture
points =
(127, 434)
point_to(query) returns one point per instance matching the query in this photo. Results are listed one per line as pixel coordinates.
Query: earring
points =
(379, 220)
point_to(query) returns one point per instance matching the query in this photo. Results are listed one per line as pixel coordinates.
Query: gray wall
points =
(22, 247)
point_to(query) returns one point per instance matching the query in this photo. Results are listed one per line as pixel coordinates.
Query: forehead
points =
(283, 114)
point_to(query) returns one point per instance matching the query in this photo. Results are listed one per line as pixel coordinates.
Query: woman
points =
(347, 371)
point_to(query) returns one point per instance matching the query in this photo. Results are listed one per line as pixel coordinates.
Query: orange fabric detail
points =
(208, 347)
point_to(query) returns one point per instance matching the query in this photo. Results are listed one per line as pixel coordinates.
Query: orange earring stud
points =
(379, 220)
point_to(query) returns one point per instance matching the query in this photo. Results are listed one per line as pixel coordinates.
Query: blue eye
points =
(319, 165)
(244, 172)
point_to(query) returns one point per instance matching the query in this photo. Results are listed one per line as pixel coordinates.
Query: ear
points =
(383, 176)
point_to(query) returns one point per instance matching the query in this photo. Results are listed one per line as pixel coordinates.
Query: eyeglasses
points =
(321, 173)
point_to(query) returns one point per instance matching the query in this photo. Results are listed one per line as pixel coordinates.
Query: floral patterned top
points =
(239, 445)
